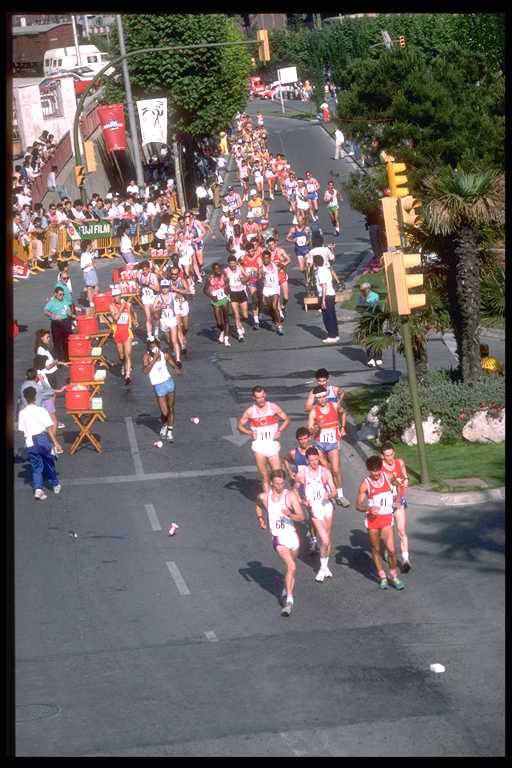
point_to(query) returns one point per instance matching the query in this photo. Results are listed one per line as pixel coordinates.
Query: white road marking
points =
(211, 636)
(134, 448)
(236, 437)
(181, 585)
(112, 480)
(153, 518)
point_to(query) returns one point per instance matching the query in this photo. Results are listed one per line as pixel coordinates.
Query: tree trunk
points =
(467, 267)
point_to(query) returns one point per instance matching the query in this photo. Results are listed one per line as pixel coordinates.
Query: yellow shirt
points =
(491, 365)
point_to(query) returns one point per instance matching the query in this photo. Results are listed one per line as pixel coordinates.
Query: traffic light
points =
(409, 206)
(90, 156)
(402, 41)
(264, 46)
(395, 181)
(80, 175)
(399, 283)
(390, 216)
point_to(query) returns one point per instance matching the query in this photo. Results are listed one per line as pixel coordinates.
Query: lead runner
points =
(283, 509)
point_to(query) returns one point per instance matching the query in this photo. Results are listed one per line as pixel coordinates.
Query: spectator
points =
(31, 380)
(202, 200)
(40, 435)
(88, 271)
(47, 394)
(41, 347)
(59, 311)
(64, 282)
(373, 225)
(370, 299)
(327, 295)
(126, 247)
(51, 181)
(339, 139)
(488, 363)
(132, 188)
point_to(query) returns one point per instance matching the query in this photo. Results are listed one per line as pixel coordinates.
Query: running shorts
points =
(272, 291)
(267, 448)
(182, 309)
(379, 521)
(326, 447)
(122, 333)
(220, 303)
(167, 323)
(290, 540)
(238, 296)
(321, 510)
(165, 388)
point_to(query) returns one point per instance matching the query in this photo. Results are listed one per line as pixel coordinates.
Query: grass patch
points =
(360, 400)
(456, 461)
(377, 281)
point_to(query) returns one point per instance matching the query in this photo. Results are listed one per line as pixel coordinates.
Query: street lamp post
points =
(129, 103)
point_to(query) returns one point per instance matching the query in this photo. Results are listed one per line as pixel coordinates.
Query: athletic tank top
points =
(277, 522)
(329, 424)
(301, 242)
(397, 471)
(234, 279)
(264, 424)
(159, 372)
(270, 276)
(380, 494)
(124, 317)
(314, 485)
(311, 185)
(148, 283)
(166, 304)
(300, 459)
(217, 287)
(251, 264)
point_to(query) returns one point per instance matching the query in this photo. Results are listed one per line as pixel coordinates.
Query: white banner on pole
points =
(153, 120)
(287, 75)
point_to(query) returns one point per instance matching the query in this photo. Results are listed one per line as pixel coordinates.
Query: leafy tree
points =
(205, 86)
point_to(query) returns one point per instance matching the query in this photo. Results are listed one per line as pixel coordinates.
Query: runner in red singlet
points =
(124, 320)
(396, 468)
(375, 499)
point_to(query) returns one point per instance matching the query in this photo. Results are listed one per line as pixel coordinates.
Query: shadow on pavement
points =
(267, 578)
(464, 532)
(357, 555)
(318, 333)
(247, 486)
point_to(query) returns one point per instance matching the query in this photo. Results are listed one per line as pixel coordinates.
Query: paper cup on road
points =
(437, 668)
(158, 444)
(195, 420)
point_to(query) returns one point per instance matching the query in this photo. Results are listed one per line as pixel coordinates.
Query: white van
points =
(60, 59)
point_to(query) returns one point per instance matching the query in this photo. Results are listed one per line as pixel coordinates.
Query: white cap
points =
(364, 285)
(252, 192)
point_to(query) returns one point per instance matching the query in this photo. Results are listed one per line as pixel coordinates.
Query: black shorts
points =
(238, 296)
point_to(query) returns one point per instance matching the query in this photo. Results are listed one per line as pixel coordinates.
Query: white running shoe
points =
(226, 342)
(40, 494)
(371, 363)
(320, 576)
(170, 436)
(378, 362)
(57, 488)
(221, 337)
(287, 609)
(328, 574)
(163, 431)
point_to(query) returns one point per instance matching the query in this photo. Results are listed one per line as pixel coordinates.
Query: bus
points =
(62, 59)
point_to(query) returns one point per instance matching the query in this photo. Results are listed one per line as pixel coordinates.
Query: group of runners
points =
(313, 472)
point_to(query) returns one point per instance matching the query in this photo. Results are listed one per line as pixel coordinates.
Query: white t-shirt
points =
(32, 420)
(132, 189)
(87, 260)
(323, 276)
(46, 353)
(339, 137)
(201, 192)
(126, 244)
(323, 251)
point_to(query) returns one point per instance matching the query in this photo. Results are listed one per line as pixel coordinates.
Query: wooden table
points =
(89, 418)
(95, 384)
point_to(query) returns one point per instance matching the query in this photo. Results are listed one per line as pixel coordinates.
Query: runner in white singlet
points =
(282, 509)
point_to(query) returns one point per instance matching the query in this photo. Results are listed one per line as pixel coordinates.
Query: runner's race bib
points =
(328, 435)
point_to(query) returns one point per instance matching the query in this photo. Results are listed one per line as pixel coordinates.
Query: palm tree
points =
(458, 206)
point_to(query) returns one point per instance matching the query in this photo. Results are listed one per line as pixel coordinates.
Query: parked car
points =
(289, 90)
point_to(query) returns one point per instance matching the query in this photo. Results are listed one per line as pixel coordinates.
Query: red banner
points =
(113, 125)
(19, 268)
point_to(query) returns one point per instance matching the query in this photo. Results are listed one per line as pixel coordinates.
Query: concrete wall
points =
(29, 112)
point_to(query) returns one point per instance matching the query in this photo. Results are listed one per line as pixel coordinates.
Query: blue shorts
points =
(199, 245)
(91, 278)
(165, 388)
(402, 503)
(312, 195)
(326, 447)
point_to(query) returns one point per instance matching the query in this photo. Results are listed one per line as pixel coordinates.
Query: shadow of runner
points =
(247, 486)
(357, 556)
(267, 578)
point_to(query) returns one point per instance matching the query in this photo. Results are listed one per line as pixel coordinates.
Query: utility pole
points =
(86, 23)
(129, 103)
(77, 47)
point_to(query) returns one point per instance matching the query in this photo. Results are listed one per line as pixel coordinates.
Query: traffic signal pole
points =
(136, 52)
(405, 325)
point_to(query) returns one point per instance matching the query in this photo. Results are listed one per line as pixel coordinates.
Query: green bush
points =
(452, 402)
(492, 295)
